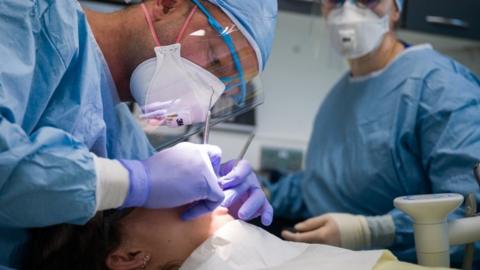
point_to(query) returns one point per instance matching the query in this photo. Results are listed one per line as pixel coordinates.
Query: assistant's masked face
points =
(356, 27)
(210, 58)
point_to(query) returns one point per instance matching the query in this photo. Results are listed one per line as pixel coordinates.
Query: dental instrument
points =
(476, 171)
(206, 131)
(245, 147)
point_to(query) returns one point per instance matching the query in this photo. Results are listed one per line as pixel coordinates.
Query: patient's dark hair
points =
(78, 247)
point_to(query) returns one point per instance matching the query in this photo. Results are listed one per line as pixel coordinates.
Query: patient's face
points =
(163, 235)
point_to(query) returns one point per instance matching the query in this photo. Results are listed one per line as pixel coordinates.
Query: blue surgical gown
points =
(58, 103)
(412, 128)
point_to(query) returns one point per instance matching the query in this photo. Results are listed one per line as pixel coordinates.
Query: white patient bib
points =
(239, 245)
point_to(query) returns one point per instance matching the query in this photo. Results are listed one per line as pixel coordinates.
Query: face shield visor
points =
(212, 66)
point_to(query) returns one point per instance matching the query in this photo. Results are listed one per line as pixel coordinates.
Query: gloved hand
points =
(183, 174)
(342, 230)
(244, 196)
(155, 114)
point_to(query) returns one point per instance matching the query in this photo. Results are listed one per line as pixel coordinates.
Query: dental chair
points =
(434, 234)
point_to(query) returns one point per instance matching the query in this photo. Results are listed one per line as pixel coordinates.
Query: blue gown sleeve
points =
(286, 196)
(46, 175)
(448, 130)
(45, 178)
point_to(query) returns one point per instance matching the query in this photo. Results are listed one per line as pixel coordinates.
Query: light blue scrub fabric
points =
(413, 128)
(57, 103)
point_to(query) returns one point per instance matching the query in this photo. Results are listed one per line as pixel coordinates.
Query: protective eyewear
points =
(233, 68)
(225, 34)
(332, 4)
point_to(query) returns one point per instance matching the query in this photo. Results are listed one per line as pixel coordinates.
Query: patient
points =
(126, 239)
(159, 239)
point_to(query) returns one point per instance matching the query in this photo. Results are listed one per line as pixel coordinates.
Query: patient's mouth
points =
(220, 211)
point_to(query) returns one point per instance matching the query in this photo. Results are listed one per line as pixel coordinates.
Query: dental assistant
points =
(69, 147)
(404, 120)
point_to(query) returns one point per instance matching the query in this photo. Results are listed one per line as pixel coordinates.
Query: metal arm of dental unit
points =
(433, 234)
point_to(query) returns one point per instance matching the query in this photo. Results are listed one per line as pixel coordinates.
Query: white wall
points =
(300, 72)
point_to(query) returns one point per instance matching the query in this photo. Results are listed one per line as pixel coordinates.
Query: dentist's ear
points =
(167, 5)
(395, 16)
(396, 13)
(164, 8)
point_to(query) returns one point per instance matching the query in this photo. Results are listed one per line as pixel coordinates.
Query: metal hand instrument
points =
(206, 131)
(245, 147)
(476, 172)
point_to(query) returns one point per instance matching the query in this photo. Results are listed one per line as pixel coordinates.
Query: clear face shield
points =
(211, 70)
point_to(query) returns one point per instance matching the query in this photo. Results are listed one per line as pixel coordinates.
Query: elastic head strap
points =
(148, 17)
(185, 25)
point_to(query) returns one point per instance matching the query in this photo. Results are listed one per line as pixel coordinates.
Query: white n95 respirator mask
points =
(173, 89)
(355, 31)
(170, 89)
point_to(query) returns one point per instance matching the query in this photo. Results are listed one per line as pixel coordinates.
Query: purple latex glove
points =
(156, 113)
(181, 175)
(243, 193)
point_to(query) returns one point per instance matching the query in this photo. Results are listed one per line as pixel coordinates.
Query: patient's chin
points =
(220, 217)
(220, 211)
